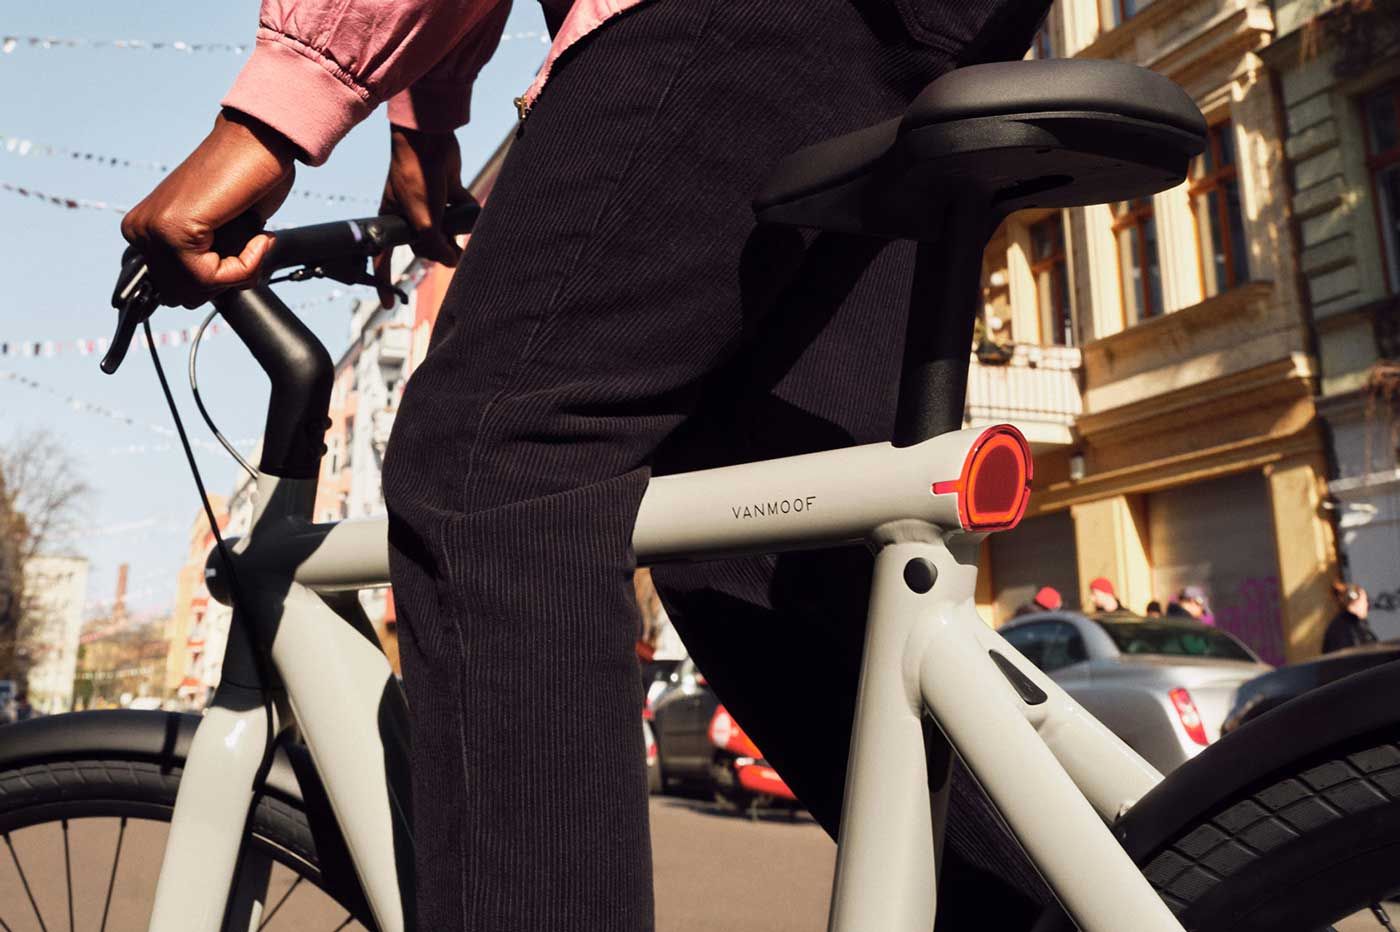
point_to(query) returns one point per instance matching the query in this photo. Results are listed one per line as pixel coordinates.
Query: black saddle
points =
(993, 139)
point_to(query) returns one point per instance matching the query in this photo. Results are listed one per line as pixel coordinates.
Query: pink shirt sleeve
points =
(321, 66)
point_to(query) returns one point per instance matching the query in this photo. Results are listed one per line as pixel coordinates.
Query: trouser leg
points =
(615, 271)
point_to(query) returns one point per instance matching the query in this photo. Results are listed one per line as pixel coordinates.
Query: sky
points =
(58, 265)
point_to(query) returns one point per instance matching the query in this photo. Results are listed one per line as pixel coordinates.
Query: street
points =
(714, 871)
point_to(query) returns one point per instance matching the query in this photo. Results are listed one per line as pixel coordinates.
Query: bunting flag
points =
(28, 148)
(96, 346)
(10, 44)
(59, 200)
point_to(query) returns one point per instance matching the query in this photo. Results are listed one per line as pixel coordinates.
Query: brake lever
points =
(135, 299)
(349, 271)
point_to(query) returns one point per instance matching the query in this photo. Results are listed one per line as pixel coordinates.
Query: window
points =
(1114, 13)
(1215, 202)
(1050, 645)
(1139, 272)
(1383, 148)
(349, 453)
(1043, 46)
(1186, 639)
(1051, 273)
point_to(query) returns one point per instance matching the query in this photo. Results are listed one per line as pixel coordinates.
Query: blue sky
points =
(58, 265)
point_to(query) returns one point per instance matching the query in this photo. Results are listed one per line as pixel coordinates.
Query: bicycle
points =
(301, 760)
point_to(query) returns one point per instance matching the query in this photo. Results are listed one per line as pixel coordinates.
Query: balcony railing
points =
(1036, 388)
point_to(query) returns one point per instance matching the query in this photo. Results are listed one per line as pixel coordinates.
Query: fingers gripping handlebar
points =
(297, 365)
(345, 241)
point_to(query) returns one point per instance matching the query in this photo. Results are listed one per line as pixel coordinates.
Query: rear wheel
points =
(81, 844)
(1300, 850)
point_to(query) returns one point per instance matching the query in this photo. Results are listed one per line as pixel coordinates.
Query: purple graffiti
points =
(1252, 614)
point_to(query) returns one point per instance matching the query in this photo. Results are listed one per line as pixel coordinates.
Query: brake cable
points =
(260, 658)
(199, 401)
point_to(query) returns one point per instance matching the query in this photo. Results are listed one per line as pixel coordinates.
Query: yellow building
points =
(1166, 376)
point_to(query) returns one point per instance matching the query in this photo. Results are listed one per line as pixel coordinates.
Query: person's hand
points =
(425, 177)
(241, 166)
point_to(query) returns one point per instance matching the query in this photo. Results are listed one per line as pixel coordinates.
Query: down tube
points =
(1064, 836)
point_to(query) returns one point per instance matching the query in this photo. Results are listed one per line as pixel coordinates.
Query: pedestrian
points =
(1104, 599)
(1350, 627)
(1154, 609)
(1191, 603)
(620, 313)
(1047, 599)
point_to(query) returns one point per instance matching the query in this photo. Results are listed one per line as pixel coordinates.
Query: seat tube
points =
(892, 815)
(943, 306)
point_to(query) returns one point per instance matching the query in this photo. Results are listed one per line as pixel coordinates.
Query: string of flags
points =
(9, 44)
(60, 200)
(28, 148)
(94, 346)
(90, 407)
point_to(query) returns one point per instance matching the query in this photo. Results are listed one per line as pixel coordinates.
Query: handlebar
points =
(344, 241)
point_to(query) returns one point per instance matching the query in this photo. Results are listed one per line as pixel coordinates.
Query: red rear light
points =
(725, 733)
(1190, 717)
(995, 485)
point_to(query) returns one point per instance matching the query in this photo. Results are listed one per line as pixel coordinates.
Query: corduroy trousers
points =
(619, 314)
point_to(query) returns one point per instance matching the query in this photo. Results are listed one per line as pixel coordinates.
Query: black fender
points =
(1283, 739)
(163, 738)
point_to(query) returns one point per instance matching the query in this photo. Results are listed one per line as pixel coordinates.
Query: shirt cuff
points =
(303, 96)
(431, 108)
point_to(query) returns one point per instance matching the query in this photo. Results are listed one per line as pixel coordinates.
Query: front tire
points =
(117, 809)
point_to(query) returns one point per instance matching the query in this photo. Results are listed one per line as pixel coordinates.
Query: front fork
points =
(1055, 774)
(347, 706)
(217, 789)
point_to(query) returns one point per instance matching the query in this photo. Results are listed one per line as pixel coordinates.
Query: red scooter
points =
(742, 778)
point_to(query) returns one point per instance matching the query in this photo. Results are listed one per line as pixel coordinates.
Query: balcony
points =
(394, 344)
(1036, 389)
(381, 426)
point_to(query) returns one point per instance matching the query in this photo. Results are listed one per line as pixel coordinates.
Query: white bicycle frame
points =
(1057, 776)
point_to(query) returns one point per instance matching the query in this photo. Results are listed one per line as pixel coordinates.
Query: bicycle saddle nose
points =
(1055, 133)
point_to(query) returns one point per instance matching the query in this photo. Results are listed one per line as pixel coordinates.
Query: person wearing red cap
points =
(1103, 597)
(1047, 599)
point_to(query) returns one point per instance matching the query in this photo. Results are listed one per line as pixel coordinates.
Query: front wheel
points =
(81, 844)
(1297, 852)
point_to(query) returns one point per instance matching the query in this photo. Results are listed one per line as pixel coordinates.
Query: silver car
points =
(1162, 685)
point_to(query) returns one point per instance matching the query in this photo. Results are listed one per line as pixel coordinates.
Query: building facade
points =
(186, 630)
(56, 590)
(1193, 453)
(1338, 67)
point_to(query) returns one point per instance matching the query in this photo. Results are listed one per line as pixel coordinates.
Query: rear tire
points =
(1296, 851)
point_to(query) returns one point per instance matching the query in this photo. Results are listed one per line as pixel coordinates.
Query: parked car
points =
(653, 768)
(680, 720)
(1273, 689)
(657, 677)
(1161, 685)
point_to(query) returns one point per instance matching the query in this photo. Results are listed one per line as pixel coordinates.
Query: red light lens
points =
(1189, 715)
(995, 484)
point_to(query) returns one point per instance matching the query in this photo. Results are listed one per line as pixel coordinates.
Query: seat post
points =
(943, 306)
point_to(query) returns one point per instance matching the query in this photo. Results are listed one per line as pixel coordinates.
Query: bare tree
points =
(41, 497)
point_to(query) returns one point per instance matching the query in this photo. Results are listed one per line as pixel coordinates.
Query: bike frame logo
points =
(782, 506)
